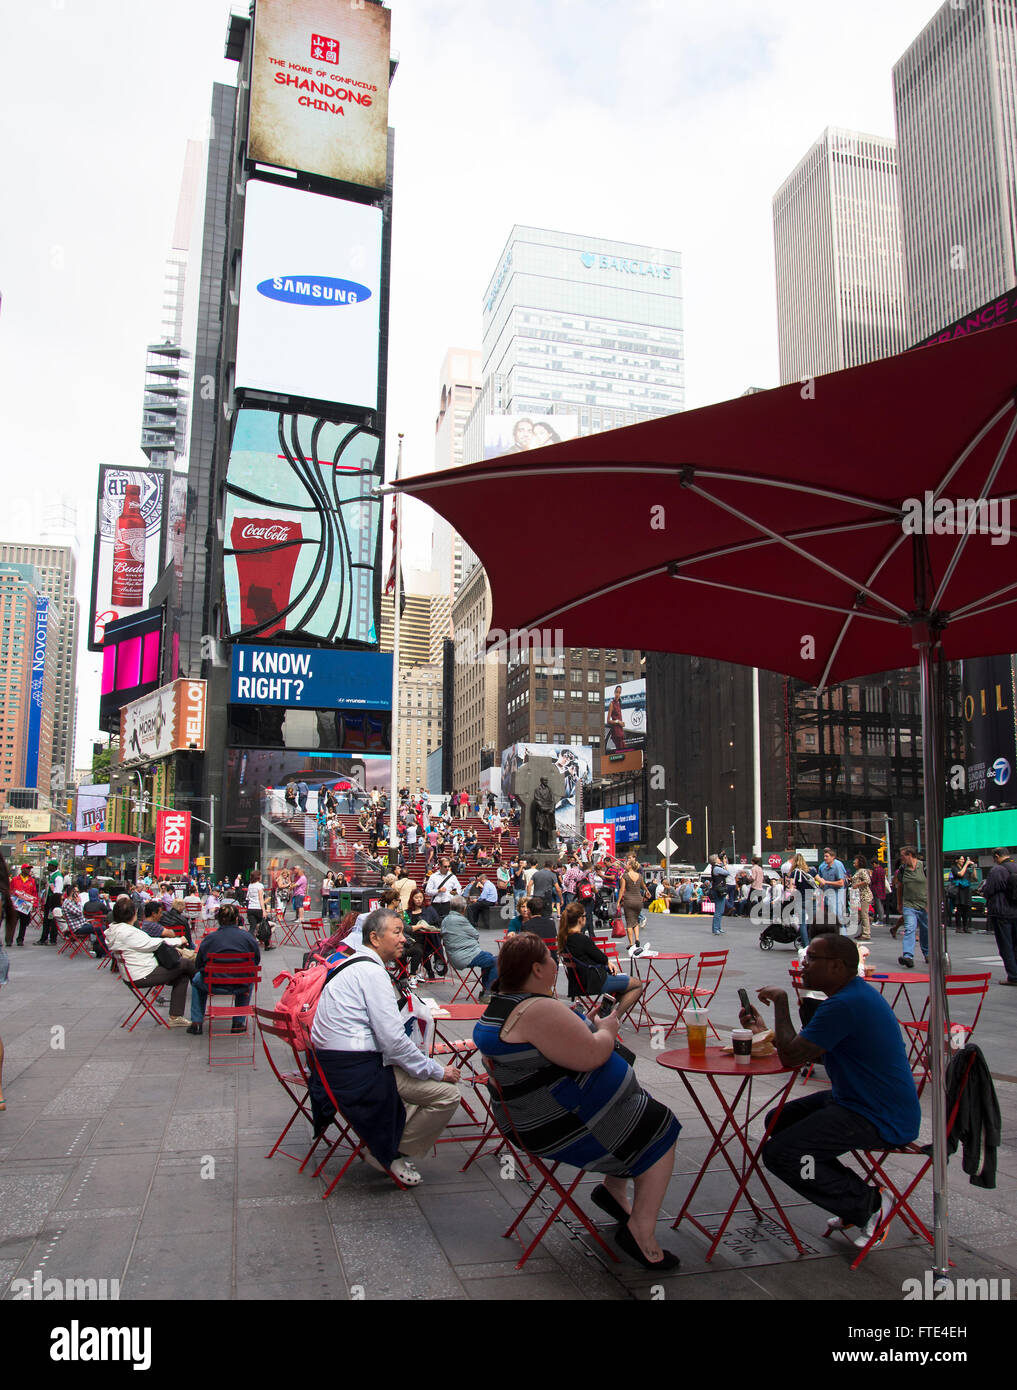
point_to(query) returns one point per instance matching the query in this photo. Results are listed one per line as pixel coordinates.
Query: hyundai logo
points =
(313, 289)
(999, 772)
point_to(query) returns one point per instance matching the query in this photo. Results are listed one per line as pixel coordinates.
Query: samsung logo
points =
(313, 289)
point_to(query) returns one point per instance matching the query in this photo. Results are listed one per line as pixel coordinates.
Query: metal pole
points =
(734, 847)
(706, 822)
(886, 837)
(393, 838)
(927, 640)
(757, 772)
(211, 837)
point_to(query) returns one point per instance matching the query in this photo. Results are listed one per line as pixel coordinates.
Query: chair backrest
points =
(224, 970)
(796, 979)
(977, 986)
(710, 970)
(272, 1023)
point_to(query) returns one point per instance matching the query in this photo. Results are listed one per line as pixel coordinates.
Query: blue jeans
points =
(199, 997)
(915, 917)
(815, 1127)
(488, 967)
(615, 984)
(718, 915)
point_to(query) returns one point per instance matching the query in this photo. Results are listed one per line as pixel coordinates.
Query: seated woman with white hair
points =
(138, 951)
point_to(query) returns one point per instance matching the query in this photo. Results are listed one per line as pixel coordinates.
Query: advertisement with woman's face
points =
(517, 434)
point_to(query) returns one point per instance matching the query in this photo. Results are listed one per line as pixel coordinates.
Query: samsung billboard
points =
(319, 88)
(310, 295)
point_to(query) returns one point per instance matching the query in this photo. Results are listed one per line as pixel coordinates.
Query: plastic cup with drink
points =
(696, 1022)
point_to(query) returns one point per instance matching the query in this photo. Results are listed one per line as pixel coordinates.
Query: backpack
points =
(299, 1000)
(586, 891)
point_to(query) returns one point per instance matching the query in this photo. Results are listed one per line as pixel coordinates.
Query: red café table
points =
(899, 981)
(462, 1052)
(733, 1133)
(664, 972)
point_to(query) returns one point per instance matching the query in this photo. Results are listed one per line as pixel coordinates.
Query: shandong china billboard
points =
(319, 88)
(301, 534)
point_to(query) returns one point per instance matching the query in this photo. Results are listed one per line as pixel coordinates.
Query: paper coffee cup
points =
(741, 1044)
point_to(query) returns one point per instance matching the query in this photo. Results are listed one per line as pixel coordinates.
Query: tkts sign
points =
(172, 842)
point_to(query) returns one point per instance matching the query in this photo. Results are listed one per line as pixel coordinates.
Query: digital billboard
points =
(130, 527)
(172, 842)
(317, 679)
(131, 663)
(256, 782)
(625, 716)
(515, 434)
(172, 718)
(91, 811)
(302, 532)
(573, 761)
(319, 88)
(990, 732)
(310, 296)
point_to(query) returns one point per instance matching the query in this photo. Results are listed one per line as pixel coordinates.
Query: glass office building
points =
(582, 326)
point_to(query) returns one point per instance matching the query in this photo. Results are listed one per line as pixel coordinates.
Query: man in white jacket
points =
(138, 951)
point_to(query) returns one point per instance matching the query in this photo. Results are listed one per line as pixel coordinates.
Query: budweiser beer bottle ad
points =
(265, 549)
(128, 587)
(301, 533)
(129, 536)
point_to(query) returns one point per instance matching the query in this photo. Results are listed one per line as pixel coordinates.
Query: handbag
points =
(618, 927)
(168, 956)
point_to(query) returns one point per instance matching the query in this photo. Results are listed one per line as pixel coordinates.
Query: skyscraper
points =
(54, 563)
(836, 231)
(955, 106)
(588, 332)
(28, 664)
(459, 386)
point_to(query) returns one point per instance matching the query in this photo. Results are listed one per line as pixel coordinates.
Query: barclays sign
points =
(596, 262)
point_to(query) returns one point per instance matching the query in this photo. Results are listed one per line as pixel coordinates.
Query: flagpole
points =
(393, 838)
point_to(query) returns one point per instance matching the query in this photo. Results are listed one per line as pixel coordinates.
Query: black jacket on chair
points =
(977, 1125)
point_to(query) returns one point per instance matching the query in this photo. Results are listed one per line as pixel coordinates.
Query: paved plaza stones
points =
(124, 1156)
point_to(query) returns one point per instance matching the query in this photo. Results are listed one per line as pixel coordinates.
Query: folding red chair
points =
(103, 952)
(146, 999)
(709, 974)
(273, 1023)
(973, 987)
(796, 979)
(576, 989)
(347, 1135)
(468, 981)
(548, 1178)
(872, 1163)
(288, 930)
(228, 972)
(69, 940)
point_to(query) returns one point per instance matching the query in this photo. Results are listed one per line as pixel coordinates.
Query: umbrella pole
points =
(927, 641)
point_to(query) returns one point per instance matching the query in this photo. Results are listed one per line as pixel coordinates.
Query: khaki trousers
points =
(429, 1107)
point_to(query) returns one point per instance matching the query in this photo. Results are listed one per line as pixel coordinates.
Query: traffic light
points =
(881, 852)
(688, 826)
(769, 831)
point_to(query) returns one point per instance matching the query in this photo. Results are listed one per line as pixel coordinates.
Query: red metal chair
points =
(795, 972)
(145, 999)
(347, 1135)
(228, 972)
(973, 987)
(69, 940)
(274, 1023)
(548, 1178)
(709, 973)
(872, 1162)
(468, 981)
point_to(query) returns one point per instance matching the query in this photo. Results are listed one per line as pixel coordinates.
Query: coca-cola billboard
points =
(130, 528)
(302, 538)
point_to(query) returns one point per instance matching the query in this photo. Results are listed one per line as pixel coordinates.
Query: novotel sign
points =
(597, 262)
(316, 290)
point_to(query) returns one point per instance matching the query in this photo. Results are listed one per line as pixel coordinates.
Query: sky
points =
(666, 122)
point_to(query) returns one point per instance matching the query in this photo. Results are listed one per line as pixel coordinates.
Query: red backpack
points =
(299, 1000)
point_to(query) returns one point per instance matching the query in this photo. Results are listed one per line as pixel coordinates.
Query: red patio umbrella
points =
(856, 523)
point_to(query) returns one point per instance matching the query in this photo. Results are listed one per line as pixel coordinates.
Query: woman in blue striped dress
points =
(570, 1097)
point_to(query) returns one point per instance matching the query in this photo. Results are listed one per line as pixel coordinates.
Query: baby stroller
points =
(604, 907)
(783, 932)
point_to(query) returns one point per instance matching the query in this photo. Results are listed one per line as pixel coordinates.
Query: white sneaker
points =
(635, 951)
(405, 1171)
(876, 1220)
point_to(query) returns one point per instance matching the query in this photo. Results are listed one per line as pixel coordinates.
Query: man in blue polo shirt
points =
(872, 1102)
(833, 880)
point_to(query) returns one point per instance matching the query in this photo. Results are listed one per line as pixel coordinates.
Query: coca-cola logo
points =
(265, 533)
